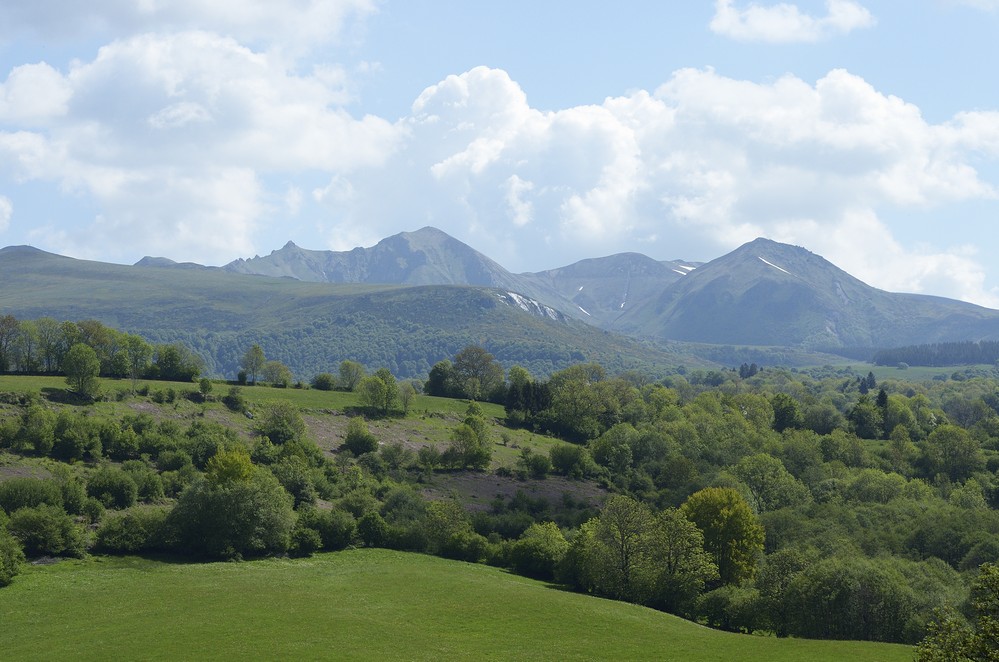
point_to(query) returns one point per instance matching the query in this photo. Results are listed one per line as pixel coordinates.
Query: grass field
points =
(354, 605)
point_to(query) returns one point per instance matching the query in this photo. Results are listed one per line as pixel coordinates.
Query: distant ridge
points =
(764, 293)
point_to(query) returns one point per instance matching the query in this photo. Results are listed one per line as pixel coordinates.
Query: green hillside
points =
(311, 327)
(358, 605)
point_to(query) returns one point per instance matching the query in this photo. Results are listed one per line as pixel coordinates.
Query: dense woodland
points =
(814, 504)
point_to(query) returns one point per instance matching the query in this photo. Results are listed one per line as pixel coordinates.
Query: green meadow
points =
(353, 605)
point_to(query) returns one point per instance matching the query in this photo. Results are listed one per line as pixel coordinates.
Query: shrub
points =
(373, 530)
(336, 528)
(11, 557)
(304, 541)
(133, 531)
(234, 399)
(229, 516)
(113, 487)
(45, 530)
(359, 439)
(324, 381)
(18, 493)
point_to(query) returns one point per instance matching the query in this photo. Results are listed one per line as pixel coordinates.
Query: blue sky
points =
(538, 132)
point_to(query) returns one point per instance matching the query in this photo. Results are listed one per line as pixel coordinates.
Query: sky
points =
(540, 132)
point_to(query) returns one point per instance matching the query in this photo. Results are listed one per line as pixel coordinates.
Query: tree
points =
(771, 485)
(950, 638)
(253, 362)
(82, 366)
(8, 332)
(786, 412)
(477, 374)
(235, 510)
(407, 393)
(351, 373)
(951, 451)
(379, 392)
(277, 374)
(539, 550)
(139, 354)
(440, 382)
(176, 363)
(732, 533)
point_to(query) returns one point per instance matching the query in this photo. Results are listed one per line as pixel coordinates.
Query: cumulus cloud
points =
(700, 166)
(786, 23)
(175, 160)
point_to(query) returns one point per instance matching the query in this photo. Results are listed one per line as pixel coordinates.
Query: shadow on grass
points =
(65, 397)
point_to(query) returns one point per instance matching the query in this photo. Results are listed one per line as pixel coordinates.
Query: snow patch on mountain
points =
(776, 267)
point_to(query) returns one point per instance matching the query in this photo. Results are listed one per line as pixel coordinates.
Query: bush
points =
(113, 487)
(134, 531)
(373, 530)
(324, 381)
(47, 530)
(11, 557)
(230, 517)
(18, 493)
(359, 439)
(336, 528)
(234, 400)
(304, 541)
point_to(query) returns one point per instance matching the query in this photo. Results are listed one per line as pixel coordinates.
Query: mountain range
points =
(427, 293)
(763, 293)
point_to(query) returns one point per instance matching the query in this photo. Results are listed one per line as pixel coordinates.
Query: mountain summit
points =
(425, 257)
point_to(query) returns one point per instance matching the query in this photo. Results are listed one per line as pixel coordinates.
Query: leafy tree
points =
(253, 362)
(477, 373)
(951, 451)
(175, 363)
(786, 412)
(82, 366)
(441, 381)
(379, 392)
(351, 373)
(277, 373)
(950, 637)
(8, 332)
(407, 393)
(229, 514)
(849, 598)
(769, 483)
(732, 533)
(471, 445)
(539, 550)
(139, 355)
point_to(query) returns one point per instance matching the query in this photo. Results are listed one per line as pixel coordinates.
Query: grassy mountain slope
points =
(363, 605)
(309, 326)
(767, 293)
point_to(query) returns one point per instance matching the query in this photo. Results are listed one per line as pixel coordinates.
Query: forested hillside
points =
(828, 506)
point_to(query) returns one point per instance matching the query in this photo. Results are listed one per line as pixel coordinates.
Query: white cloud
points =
(176, 159)
(6, 211)
(786, 23)
(33, 95)
(706, 161)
